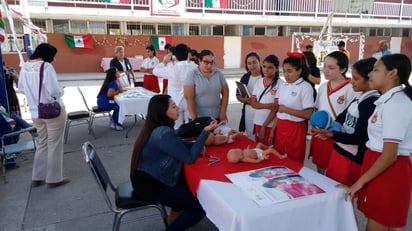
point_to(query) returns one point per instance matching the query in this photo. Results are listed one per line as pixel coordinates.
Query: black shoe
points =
(57, 184)
(37, 183)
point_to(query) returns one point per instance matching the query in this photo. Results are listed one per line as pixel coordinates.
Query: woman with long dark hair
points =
(157, 162)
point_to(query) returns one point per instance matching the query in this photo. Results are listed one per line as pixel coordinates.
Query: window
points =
(232, 30)
(292, 29)
(61, 26)
(205, 30)
(179, 29)
(97, 27)
(217, 30)
(193, 29)
(305, 29)
(387, 32)
(8, 45)
(406, 32)
(78, 27)
(40, 23)
(164, 29)
(247, 30)
(259, 30)
(379, 31)
(355, 30)
(271, 31)
(133, 28)
(346, 30)
(148, 29)
(372, 32)
(113, 28)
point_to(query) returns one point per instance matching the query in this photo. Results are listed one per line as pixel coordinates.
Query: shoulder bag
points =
(47, 110)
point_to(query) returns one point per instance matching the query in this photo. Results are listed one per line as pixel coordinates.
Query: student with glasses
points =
(206, 90)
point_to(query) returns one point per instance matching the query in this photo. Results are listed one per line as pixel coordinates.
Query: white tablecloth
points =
(230, 210)
(135, 61)
(133, 102)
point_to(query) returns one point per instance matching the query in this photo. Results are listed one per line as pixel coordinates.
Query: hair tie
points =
(295, 54)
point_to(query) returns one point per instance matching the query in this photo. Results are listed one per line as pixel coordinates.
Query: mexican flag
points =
(216, 3)
(159, 42)
(81, 41)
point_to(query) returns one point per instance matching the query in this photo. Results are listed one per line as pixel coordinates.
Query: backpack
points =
(194, 127)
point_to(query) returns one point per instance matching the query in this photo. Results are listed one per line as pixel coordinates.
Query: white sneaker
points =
(118, 128)
(112, 125)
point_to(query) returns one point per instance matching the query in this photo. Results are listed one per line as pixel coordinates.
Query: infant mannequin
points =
(255, 155)
(221, 135)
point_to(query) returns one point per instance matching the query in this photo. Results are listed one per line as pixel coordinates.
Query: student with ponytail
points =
(386, 176)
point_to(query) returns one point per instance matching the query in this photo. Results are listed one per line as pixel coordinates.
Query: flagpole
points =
(27, 32)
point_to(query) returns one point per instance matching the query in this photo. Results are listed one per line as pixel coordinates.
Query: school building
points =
(230, 28)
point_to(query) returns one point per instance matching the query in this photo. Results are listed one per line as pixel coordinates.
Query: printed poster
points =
(167, 7)
(273, 184)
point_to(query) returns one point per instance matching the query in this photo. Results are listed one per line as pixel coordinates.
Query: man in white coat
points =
(176, 72)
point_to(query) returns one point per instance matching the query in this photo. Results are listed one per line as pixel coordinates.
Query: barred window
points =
(260, 30)
(205, 30)
(133, 28)
(218, 30)
(78, 27)
(113, 28)
(248, 30)
(164, 29)
(61, 26)
(179, 29)
(271, 31)
(148, 29)
(194, 29)
(97, 27)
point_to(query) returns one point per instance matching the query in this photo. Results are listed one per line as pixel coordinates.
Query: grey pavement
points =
(79, 205)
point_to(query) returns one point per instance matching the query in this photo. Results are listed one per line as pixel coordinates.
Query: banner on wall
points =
(159, 42)
(167, 7)
(81, 41)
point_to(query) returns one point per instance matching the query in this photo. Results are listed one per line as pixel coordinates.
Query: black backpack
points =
(194, 127)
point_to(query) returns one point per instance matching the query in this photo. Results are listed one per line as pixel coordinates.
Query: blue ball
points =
(320, 119)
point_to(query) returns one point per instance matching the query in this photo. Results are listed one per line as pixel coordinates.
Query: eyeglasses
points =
(208, 62)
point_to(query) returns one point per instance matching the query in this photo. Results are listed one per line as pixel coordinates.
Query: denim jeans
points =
(181, 198)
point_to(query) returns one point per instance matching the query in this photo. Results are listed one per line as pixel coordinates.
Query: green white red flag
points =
(159, 42)
(215, 3)
(79, 41)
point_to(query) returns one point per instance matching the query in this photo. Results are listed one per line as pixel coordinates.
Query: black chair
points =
(77, 116)
(124, 200)
(95, 109)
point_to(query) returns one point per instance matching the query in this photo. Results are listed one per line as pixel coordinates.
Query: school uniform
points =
(386, 198)
(150, 81)
(349, 148)
(291, 131)
(265, 97)
(334, 101)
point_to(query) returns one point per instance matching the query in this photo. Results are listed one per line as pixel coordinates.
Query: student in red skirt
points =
(384, 188)
(349, 148)
(333, 96)
(295, 107)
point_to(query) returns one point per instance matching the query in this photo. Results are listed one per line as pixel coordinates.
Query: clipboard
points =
(242, 89)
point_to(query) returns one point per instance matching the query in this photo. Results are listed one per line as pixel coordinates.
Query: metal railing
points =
(315, 8)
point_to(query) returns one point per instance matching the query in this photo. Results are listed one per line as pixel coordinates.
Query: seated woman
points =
(156, 170)
(10, 123)
(255, 155)
(105, 98)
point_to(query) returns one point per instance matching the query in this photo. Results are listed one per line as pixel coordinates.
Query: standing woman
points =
(386, 175)
(314, 72)
(349, 148)
(295, 107)
(150, 81)
(156, 170)
(264, 99)
(206, 90)
(334, 96)
(48, 159)
(254, 72)
(122, 63)
(105, 97)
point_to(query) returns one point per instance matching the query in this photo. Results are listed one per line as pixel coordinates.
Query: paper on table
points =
(273, 184)
(244, 92)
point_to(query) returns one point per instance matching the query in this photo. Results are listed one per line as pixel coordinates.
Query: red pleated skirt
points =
(342, 169)
(386, 198)
(290, 138)
(320, 151)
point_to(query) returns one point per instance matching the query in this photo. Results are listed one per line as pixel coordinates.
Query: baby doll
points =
(221, 135)
(255, 155)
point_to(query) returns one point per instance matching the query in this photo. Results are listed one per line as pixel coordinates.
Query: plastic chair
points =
(77, 116)
(94, 110)
(125, 202)
(10, 144)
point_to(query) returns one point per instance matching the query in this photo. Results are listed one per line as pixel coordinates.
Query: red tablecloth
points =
(201, 170)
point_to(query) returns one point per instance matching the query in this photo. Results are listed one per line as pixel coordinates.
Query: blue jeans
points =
(181, 198)
(20, 122)
(111, 105)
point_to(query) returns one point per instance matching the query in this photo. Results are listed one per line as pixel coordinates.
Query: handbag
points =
(47, 110)
(193, 128)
